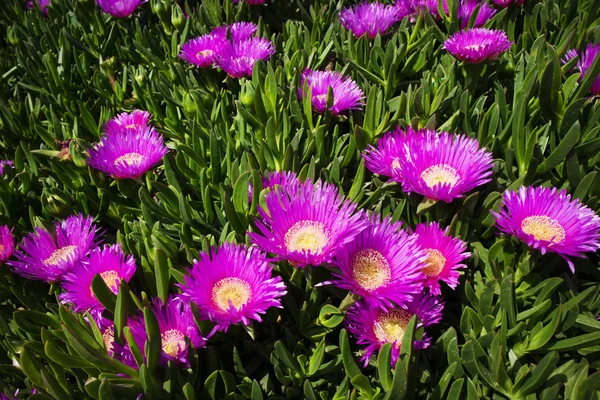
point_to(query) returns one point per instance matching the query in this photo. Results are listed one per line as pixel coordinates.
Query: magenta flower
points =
(444, 256)
(466, 9)
(444, 167)
(369, 18)
(5, 163)
(548, 220)
(176, 322)
(240, 31)
(41, 257)
(112, 265)
(383, 264)
(507, 3)
(373, 327)
(129, 122)
(309, 226)
(477, 45)
(125, 154)
(122, 352)
(7, 243)
(412, 8)
(238, 59)
(43, 4)
(203, 51)
(232, 284)
(119, 8)
(584, 63)
(347, 95)
(385, 158)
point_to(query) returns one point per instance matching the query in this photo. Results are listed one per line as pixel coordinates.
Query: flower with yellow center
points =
(542, 227)
(231, 292)
(370, 269)
(307, 236)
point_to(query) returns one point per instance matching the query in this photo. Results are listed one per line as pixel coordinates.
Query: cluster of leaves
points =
(519, 326)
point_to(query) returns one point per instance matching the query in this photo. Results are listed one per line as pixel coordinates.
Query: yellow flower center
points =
(435, 263)
(231, 290)
(440, 174)
(396, 164)
(476, 47)
(173, 341)
(370, 269)
(111, 278)
(390, 327)
(306, 236)
(1, 249)
(130, 126)
(129, 159)
(542, 227)
(109, 337)
(205, 53)
(321, 97)
(61, 254)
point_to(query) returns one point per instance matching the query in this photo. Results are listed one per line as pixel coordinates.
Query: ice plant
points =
(119, 8)
(586, 58)
(233, 284)
(112, 265)
(5, 164)
(412, 8)
(129, 122)
(383, 264)
(444, 256)
(347, 95)
(203, 51)
(42, 257)
(43, 4)
(467, 8)
(507, 3)
(385, 158)
(373, 327)
(548, 220)
(477, 45)
(307, 227)
(444, 167)
(369, 18)
(7, 243)
(251, 2)
(238, 59)
(125, 154)
(176, 323)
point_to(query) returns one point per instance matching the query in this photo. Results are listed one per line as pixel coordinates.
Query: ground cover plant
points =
(322, 199)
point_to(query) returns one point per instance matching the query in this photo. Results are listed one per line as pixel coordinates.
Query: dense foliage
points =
(519, 325)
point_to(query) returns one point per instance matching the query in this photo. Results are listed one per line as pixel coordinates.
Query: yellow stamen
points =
(129, 159)
(205, 53)
(370, 269)
(542, 227)
(305, 236)
(173, 341)
(234, 290)
(61, 254)
(390, 328)
(435, 263)
(109, 337)
(440, 174)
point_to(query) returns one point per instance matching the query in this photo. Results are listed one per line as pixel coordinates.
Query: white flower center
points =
(440, 174)
(542, 227)
(435, 263)
(129, 159)
(475, 47)
(173, 341)
(60, 255)
(390, 327)
(370, 269)
(306, 236)
(231, 290)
